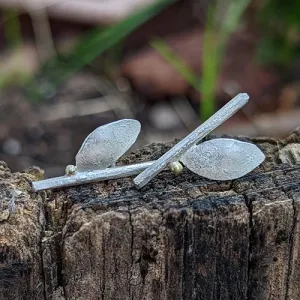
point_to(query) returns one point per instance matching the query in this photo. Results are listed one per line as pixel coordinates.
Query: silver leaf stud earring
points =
(222, 159)
(97, 156)
(106, 144)
(219, 159)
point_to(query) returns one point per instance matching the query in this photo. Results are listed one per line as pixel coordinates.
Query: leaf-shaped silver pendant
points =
(222, 159)
(106, 144)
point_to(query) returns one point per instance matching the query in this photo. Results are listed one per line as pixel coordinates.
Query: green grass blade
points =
(12, 28)
(210, 71)
(232, 18)
(58, 69)
(213, 52)
(177, 62)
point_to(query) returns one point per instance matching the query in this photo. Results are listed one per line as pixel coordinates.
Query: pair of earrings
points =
(217, 159)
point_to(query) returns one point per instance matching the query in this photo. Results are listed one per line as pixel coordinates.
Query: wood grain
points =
(180, 237)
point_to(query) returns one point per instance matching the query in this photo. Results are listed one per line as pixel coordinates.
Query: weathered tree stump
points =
(181, 237)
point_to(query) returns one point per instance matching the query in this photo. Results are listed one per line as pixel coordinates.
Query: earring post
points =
(91, 176)
(198, 134)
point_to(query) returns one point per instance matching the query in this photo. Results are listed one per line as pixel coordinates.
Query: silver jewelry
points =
(90, 176)
(218, 159)
(176, 153)
(99, 151)
(222, 159)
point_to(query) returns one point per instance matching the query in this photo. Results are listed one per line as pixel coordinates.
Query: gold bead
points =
(70, 170)
(176, 167)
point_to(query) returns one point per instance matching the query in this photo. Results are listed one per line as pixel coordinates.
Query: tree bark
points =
(178, 238)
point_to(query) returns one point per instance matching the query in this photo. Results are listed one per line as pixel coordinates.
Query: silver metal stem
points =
(92, 176)
(199, 133)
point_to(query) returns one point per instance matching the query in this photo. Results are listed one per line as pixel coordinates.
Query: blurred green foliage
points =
(13, 79)
(279, 27)
(217, 32)
(216, 35)
(12, 28)
(93, 44)
(278, 23)
(13, 38)
(177, 62)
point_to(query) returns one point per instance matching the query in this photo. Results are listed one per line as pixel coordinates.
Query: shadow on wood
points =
(178, 238)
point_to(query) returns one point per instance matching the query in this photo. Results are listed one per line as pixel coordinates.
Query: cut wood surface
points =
(179, 238)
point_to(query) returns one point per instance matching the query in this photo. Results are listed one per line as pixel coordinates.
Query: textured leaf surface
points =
(223, 159)
(106, 144)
